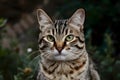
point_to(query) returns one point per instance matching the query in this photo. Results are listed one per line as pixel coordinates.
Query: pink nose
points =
(59, 49)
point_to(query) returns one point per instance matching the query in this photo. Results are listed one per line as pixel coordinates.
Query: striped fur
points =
(62, 48)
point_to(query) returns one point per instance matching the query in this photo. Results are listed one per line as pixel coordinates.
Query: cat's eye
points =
(50, 38)
(69, 38)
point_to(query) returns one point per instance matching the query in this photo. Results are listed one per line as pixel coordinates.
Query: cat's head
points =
(62, 39)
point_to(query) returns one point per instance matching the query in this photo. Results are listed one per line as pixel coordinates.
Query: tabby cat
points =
(62, 48)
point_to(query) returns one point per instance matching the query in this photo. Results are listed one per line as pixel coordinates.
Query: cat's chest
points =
(77, 75)
(64, 71)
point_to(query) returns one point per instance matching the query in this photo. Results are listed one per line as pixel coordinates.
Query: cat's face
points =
(63, 39)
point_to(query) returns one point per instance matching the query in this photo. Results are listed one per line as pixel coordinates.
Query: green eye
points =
(50, 38)
(69, 38)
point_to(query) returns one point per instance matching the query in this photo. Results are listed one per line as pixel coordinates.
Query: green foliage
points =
(103, 56)
(15, 66)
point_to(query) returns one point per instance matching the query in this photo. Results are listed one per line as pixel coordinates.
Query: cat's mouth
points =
(60, 57)
(63, 57)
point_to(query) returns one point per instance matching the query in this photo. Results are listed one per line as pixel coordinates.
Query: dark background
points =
(19, 33)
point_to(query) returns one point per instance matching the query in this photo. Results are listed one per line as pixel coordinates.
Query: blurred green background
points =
(19, 33)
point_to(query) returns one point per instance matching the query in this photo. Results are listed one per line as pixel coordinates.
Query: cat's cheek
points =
(55, 52)
(64, 52)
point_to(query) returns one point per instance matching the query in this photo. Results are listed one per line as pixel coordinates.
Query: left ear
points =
(77, 19)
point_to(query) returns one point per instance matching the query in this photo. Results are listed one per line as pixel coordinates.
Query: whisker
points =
(35, 60)
(34, 63)
(33, 53)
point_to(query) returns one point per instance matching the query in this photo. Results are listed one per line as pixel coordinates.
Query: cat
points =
(62, 49)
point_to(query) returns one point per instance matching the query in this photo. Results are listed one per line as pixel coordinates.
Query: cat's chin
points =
(64, 58)
(60, 58)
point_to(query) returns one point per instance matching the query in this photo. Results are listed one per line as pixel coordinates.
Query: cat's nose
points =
(59, 46)
(59, 49)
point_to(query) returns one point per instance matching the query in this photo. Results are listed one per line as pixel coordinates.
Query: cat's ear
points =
(43, 20)
(77, 19)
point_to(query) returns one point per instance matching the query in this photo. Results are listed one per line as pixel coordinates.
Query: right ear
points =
(43, 20)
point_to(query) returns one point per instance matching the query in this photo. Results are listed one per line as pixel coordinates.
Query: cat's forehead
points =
(60, 23)
(60, 26)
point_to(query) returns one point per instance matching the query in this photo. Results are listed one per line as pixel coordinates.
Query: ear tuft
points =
(77, 18)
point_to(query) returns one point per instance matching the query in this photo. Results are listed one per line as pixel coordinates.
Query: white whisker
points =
(33, 53)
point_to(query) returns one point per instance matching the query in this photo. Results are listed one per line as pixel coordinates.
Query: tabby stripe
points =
(80, 66)
(66, 31)
(59, 27)
(81, 55)
(80, 39)
(64, 26)
(52, 64)
(47, 70)
(44, 46)
(79, 47)
(55, 25)
(44, 68)
(70, 66)
(40, 40)
(53, 31)
(54, 69)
